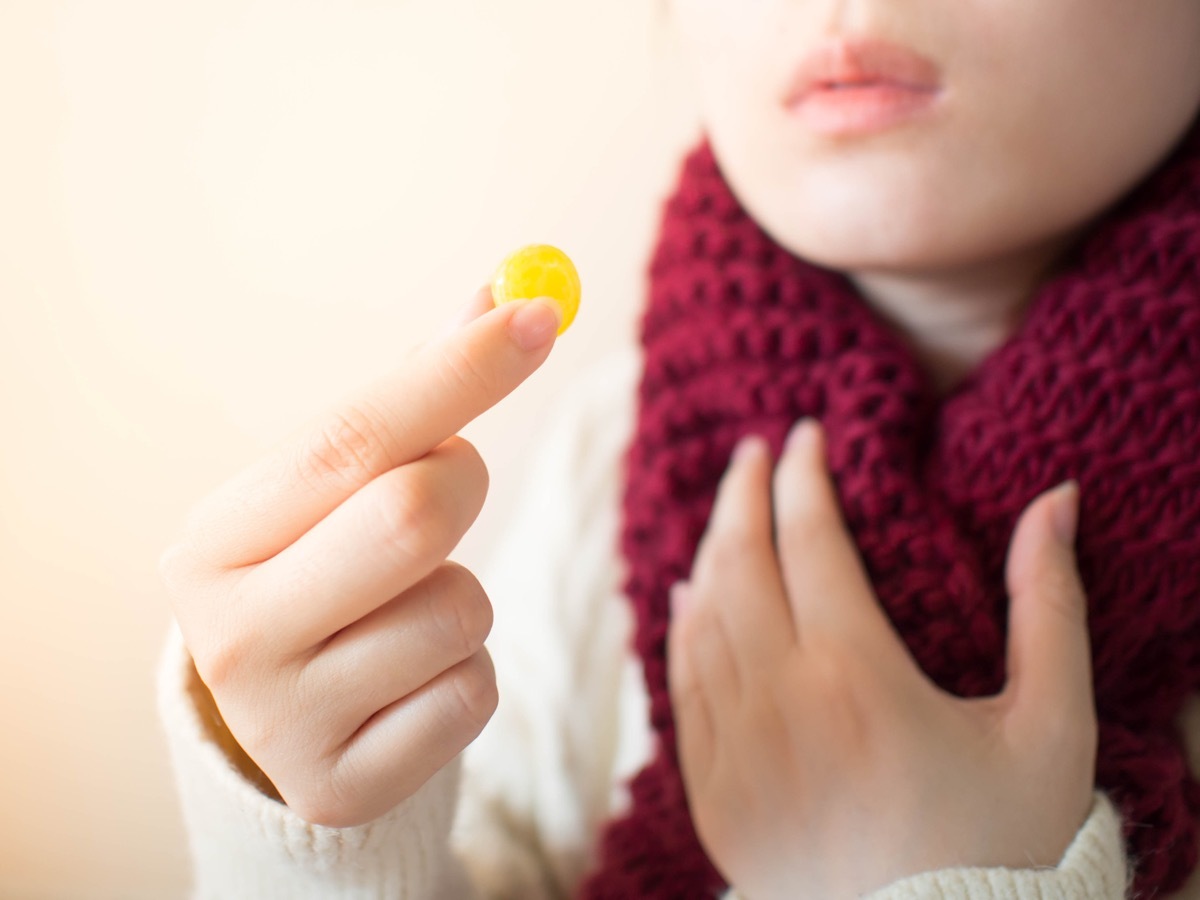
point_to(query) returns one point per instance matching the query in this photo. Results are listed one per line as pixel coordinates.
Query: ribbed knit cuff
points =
(1094, 867)
(246, 844)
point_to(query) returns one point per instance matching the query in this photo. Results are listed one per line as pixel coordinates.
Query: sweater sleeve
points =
(517, 813)
(245, 843)
(1094, 867)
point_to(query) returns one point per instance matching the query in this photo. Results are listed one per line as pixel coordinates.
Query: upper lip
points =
(850, 61)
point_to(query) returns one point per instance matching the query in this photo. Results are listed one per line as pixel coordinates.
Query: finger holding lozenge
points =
(539, 270)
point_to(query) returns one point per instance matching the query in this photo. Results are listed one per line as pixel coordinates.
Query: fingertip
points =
(1043, 539)
(804, 437)
(1049, 657)
(749, 448)
(750, 454)
(535, 323)
(1066, 512)
(804, 482)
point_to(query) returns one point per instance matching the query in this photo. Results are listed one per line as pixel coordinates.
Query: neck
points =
(954, 318)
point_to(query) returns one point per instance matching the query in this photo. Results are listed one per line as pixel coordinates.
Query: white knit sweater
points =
(518, 815)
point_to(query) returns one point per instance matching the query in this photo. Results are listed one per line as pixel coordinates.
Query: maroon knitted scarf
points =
(1101, 382)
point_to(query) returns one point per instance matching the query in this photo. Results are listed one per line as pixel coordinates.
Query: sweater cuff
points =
(1094, 867)
(245, 843)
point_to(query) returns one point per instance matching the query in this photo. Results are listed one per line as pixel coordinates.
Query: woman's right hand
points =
(344, 652)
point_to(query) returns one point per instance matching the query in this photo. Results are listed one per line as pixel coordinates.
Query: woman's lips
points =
(858, 86)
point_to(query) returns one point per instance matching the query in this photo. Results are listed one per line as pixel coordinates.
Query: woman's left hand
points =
(819, 760)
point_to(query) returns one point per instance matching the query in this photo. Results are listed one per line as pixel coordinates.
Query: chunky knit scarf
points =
(1101, 382)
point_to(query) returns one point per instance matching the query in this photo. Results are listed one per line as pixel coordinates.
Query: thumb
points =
(478, 305)
(1049, 652)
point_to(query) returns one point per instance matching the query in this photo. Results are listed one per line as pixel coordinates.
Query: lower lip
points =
(862, 109)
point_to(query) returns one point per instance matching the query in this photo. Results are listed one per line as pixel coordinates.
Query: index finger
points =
(736, 574)
(400, 417)
(827, 583)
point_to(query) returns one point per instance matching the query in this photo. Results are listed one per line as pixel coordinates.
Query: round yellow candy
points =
(539, 270)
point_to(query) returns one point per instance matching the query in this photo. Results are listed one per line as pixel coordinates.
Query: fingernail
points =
(1066, 511)
(535, 323)
(803, 435)
(749, 446)
(677, 597)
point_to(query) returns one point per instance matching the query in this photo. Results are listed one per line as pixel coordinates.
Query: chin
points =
(883, 216)
(868, 247)
(864, 223)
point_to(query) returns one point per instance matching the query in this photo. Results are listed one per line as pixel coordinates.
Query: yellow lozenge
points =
(539, 270)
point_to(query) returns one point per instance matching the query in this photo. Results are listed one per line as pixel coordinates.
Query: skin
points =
(806, 732)
(300, 583)
(819, 760)
(1049, 112)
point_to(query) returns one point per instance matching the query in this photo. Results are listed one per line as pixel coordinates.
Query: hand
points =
(819, 760)
(343, 652)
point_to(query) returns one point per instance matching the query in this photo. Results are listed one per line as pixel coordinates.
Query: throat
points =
(948, 360)
(953, 320)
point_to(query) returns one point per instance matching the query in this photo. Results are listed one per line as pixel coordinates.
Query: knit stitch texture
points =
(1100, 382)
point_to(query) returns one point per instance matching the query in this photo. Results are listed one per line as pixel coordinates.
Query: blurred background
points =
(216, 219)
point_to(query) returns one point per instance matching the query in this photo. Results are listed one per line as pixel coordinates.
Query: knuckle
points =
(225, 657)
(475, 471)
(409, 519)
(458, 474)
(473, 695)
(1064, 598)
(273, 730)
(466, 620)
(219, 663)
(260, 735)
(464, 376)
(347, 446)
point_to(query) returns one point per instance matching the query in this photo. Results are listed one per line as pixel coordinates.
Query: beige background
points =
(217, 217)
